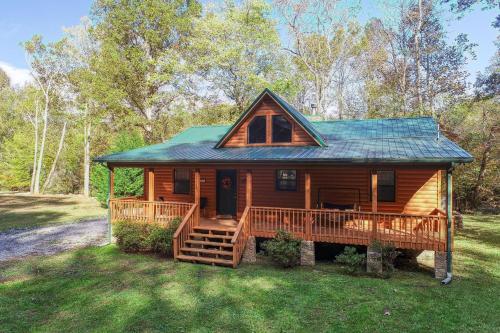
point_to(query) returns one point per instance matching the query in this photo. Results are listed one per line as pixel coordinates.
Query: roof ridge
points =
(370, 119)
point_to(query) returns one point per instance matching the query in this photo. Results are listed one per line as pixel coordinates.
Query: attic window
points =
(282, 129)
(257, 130)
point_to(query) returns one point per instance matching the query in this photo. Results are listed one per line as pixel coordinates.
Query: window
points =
(257, 130)
(182, 183)
(282, 129)
(286, 180)
(386, 189)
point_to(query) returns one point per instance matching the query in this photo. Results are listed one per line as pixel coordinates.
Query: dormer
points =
(271, 121)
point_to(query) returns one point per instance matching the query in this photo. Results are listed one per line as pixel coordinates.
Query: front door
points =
(226, 192)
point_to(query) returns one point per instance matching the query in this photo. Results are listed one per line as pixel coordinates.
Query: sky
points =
(21, 19)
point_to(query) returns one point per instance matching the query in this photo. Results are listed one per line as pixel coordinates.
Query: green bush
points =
(145, 236)
(351, 259)
(128, 181)
(131, 236)
(160, 239)
(389, 255)
(284, 249)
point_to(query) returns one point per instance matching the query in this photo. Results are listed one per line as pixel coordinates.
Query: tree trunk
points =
(482, 168)
(35, 153)
(86, 159)
(36, 187)
(48, 181)
(417, 56)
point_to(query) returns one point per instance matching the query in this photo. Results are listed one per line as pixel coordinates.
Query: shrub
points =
(284, 249)
(351, 259)
(160, 239)
(145, 237)
(388, 253)
(130, 236)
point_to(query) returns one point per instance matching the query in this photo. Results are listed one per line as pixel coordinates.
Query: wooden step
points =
(196, 234)
(206, 251)
(198, 242)
(213, 228)
(205, 260)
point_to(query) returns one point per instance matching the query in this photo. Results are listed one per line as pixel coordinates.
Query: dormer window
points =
(257, 130)
(282, 129)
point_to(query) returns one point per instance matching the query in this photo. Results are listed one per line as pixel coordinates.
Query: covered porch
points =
(342, 226)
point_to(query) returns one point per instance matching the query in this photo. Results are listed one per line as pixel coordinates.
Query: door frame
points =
(217, 177)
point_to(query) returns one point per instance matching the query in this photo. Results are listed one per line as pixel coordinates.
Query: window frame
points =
(276, 116)
(278, 179)
(188, 180)
(378, 186)
(249, 127)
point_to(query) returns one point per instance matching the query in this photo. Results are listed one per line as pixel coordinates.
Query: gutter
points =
(449, 215)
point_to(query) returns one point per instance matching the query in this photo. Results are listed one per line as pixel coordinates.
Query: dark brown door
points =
(226, 192)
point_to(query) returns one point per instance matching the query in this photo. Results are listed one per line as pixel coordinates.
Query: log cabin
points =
(342, 181)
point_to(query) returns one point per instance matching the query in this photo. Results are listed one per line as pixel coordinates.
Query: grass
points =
(104, 290)
(21, 211)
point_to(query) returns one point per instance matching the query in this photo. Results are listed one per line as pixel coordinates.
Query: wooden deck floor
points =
(223, 224)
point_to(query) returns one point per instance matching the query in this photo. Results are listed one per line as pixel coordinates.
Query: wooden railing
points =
(147, 211)
(408, 231)
(185, 228)
(240, 236)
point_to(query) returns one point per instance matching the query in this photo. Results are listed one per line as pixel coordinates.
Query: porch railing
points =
(185, 228)
(409, 231)
(146, 211)
(240, 236)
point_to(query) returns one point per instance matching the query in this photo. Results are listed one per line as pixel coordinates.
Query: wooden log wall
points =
(417, 190)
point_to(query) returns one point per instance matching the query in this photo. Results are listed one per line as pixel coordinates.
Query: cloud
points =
(18, 76)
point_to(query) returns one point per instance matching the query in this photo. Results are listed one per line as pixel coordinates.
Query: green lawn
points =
(20, 210)
(101, 289)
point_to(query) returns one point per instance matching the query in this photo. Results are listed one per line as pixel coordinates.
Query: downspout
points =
(109, 208)
(449, 220)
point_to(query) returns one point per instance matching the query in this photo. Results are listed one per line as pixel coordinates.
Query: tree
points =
(80, 51)
(138, 66)
(323, 48)
(462, 6)
(4, 80)
(236, 50)
(47, 70)
(128, 181)
(419, 75)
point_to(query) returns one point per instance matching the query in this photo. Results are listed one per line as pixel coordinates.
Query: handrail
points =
(410, 231)
(345, 211)
(184, 229)
(147, 211)
(240, 224)
(240, 236)
(185, 220)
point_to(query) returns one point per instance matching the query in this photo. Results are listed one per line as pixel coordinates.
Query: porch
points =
(222, 241)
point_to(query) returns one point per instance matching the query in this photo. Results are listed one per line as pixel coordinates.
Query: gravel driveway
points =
(15, 244)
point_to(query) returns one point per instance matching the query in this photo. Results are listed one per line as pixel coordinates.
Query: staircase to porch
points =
(209, 245)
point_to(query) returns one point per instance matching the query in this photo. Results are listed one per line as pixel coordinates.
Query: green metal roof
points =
(296, 115)
(404, 140)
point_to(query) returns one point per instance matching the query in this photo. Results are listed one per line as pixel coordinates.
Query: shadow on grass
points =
(29, 219)
(9, 202)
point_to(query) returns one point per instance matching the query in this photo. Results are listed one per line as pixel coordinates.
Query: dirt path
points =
(17, 244)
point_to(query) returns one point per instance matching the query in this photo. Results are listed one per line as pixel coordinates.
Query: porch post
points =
(248, 192)
(374, 202)
(151, 194)
(111, 182)
(111, 185)
(197, 193)
(307, 201)
(307, 191)
(449, 215)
